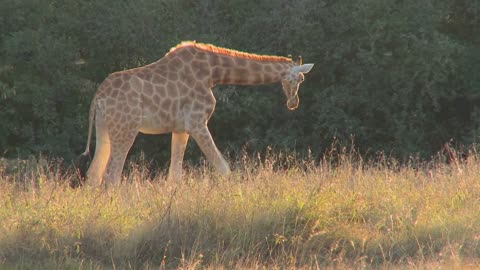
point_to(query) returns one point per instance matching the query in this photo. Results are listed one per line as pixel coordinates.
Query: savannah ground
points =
(276, 212)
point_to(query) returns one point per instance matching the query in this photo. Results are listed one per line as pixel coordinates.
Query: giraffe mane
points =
(230, 52)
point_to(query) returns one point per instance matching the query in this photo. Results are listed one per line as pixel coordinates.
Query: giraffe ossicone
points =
(175, 95)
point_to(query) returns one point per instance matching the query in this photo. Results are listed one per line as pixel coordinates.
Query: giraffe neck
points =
(225, 66)
(241, 71)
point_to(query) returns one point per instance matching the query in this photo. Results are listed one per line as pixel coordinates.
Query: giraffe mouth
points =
(292, 103)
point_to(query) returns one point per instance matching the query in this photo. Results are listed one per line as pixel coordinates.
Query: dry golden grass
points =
(275, 213)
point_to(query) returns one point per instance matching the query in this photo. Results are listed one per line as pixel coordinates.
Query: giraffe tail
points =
(81, 163)
(91, 119)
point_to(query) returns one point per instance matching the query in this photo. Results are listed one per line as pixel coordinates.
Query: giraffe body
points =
(175, 95)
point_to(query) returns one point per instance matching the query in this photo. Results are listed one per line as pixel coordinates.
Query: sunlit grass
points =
(275, 212)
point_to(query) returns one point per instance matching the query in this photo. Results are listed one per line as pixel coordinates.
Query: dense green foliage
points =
(398, 76)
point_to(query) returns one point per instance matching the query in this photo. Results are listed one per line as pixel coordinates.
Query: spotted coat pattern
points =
(174, 95)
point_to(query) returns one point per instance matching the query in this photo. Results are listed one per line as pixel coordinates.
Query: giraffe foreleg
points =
(179, 144)
(205, 141)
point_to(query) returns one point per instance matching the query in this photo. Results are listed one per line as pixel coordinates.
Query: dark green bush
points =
(397, 76)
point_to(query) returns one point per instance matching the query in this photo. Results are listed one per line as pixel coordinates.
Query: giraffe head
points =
(291, 82)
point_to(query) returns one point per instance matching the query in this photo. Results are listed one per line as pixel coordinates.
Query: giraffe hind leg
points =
(116, 161)
(102, 154)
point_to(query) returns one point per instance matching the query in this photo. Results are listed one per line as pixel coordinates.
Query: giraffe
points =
(175, 95)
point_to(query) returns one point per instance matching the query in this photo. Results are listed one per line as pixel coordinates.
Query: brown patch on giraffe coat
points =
(136, 111)
(227, 62)
(132, 101)
(147, 88)
(161, 90)
(241, 62)
(256, 67)
(184, 90)
(183, 101)
(196, 64)
(171, 89)
(188, 69)
(117, 82)
(147, 102)
(172, 76)
(126, 86)
(114, 93)
(278, 66)
(201, 55)
(198, 86)
(166, 104)
(175, 64)
(157, 79)
(116, 115)
(213, 60)
(182, 74)
(268, 68)
(132, 95)
(227, 76)
(189, 80)
(200, 68)
(156, 99)
(267, 78)
(217, 74)
(202, 73)
(199, 117)
(240, 73)
(122, 96)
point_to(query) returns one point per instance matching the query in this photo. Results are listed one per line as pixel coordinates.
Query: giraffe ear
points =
(299, 61)
(305, 68)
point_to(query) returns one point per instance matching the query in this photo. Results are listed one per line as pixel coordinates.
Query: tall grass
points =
(277, 211)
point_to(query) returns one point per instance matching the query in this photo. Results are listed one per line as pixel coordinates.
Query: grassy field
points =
(276, 212)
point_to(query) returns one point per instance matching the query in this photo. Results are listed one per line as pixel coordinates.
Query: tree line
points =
(399, 76)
